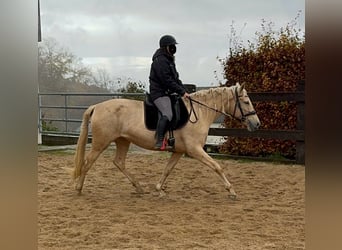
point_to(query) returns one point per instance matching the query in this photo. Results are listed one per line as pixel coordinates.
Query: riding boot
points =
(160, 132)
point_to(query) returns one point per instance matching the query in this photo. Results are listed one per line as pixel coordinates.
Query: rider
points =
(164, 80)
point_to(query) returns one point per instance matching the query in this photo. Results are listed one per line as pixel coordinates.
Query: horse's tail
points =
(81, 143)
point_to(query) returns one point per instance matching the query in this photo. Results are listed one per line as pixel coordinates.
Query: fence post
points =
(40, 129)
(66, 112)
(300, 144)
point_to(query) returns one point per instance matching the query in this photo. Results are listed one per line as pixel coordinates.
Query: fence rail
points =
(297, 135)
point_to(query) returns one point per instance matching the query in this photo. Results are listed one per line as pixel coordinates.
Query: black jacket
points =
(164, 78)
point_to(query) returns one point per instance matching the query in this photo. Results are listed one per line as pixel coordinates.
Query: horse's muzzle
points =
(252, 125)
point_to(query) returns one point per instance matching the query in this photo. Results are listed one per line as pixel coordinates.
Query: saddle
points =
(179, 110)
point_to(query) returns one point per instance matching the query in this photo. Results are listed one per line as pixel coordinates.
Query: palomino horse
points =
(122, 121)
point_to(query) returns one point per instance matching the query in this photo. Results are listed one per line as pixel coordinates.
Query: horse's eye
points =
(246, 102)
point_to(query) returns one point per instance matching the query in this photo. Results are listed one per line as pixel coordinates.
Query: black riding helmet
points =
(167, 40)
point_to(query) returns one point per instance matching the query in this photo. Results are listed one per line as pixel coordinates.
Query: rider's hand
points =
(186, 95)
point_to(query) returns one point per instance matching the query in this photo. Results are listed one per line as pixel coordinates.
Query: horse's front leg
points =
(199, 154)
(170, 165)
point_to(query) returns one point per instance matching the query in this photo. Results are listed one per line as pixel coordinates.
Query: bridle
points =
(237, 106)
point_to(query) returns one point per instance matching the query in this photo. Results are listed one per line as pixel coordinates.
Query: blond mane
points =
(212, 95)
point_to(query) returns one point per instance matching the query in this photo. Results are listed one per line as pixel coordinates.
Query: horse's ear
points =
(241, 87)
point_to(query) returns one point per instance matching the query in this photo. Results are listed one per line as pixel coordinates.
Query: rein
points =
(192, 110)
(237, 105)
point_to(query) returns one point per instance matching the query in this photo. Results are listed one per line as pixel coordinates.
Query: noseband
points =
(238, 105)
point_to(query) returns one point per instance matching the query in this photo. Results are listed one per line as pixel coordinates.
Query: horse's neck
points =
(215, 98)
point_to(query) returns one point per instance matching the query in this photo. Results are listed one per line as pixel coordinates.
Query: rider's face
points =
(172, 49)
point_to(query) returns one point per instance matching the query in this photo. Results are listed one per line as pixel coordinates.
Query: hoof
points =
(78, 189)
(232, 197)
(140, 190)
(162, 193)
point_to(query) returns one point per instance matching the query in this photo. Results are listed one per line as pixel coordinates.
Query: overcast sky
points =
(122, 35)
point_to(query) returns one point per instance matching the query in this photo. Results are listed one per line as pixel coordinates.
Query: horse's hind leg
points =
(122, 146)
(202, 156)
(89, 161)
(170, 165)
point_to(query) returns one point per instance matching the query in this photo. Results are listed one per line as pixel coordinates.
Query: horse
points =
(122, 121)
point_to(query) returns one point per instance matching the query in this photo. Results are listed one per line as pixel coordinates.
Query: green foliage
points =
(134, 87)
(276, 63)
(47, 126)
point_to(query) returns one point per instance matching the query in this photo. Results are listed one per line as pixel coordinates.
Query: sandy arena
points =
(196, 213)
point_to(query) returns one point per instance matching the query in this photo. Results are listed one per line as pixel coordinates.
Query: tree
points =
(102, 79)
(58, 68)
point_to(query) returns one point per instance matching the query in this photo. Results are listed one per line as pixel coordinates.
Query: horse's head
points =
(243, 108)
